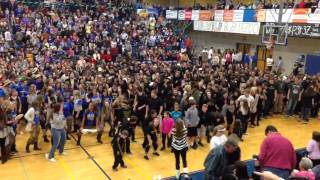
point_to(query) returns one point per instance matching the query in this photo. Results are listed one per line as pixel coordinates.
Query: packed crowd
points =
(74, 71)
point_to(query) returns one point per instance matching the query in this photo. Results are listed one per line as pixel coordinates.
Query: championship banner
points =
(142, 12)
(237, 27)
(272, 15)
(188, 15)
(314, 17)
(238, 15)
(250, 15)
(203, 25)
(153, 12)
(195, 15)
(228, 15)
(181, 14)
(206, 15)
(171, 14)
(300, 15)
(218, 15)
(261, 15)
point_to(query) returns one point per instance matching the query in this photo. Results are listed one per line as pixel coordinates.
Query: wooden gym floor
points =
(77, 164)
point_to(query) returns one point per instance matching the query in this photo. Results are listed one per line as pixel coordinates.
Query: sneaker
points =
(124, 166)
(52, 160)
(115, 169)
(305, 122)
(129, 153)
(162, 149)
(200, 144)
(63, 154)
(47, 156)
(146, 157)
(156, 154)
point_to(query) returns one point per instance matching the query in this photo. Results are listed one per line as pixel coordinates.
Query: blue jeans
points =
(305, 113)
(282, 173)
(291, 106)
(59, 139)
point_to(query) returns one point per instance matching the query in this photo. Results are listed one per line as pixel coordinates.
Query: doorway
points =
(262, 52)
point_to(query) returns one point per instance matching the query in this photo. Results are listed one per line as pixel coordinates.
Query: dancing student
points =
(58, 131)
(90, 121)
(243, 103)
(176, 113)
(119, 105)
(192, 119)
(218, 137)
(67, 112)
(204, 123)
(77, 110)
(43, 120)
(139, 105)
(15, 99)
(179, 145)
(12, 122)
(254, 108)
(166, 126)
(229, 114)
(125, 143)
(33, 118)
(150, 134)
(117, 150)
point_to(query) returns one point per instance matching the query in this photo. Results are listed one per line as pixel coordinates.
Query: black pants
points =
(268, 106)
(164, 138)
(132, 132)
(125, 144)
(4, 154)
(253, 118)
(315, 162)
(183, 154)
(244, 122)
(117, 160)
(146, 144)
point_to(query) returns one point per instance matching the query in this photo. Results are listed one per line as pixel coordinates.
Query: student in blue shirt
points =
(176, 114)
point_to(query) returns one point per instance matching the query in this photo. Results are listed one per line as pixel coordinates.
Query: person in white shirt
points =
(269, 62)
(218, 138)
(210, 54)
(7, 36)
(244, 102)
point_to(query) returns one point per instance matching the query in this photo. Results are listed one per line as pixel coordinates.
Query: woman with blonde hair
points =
(33, 118)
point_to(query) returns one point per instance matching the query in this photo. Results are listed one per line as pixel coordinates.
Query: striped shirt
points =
(179, 143)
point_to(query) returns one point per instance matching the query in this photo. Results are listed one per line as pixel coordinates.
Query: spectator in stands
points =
(216, 163)
(305, 167)
(307, 102)
(313, 148)
(277, 154)
(218, 137)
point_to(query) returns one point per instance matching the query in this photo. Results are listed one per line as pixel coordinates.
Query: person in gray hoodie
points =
(58, 131)
(192, 120)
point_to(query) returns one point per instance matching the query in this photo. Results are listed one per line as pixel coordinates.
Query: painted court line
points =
(66, 169)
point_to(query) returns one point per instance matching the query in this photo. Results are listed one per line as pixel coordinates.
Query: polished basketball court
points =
(94, 160)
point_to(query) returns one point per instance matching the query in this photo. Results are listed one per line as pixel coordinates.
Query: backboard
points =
(274, 35)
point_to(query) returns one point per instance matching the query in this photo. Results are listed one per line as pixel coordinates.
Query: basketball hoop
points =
(270, 43)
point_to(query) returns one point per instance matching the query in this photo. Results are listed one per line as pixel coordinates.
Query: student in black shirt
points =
(155, 103)
(117, 150)
(140, 105)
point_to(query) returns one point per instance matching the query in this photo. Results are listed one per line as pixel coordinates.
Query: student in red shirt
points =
(277, 154)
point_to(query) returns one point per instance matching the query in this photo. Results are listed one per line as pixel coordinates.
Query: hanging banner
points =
(261, 15)
(203, 25)
(228, 15)
(218, 15)
(205, 15)
(238, 15)
(153, 12)
(195, 15)
(188, 15)
(171, 14)
(142, 12)
(181, 15)
(272, 15)
(300, 15)
(228, 27)
(249, 15)
(237, 27)
(314, 17)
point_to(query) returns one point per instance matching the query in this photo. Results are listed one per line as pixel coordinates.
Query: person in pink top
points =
(305, 166)
(313, 148)
(166, 127)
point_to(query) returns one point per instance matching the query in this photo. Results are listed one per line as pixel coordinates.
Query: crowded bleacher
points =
(75, 70)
